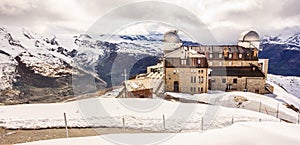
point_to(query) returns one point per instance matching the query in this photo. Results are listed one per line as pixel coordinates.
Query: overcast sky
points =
(226, 19)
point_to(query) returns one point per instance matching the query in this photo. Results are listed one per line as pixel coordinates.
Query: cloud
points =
(225, 18)
(289, 8)
(16, 7)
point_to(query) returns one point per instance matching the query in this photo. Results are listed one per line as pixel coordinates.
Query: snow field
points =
(138, 114)
(262, 133)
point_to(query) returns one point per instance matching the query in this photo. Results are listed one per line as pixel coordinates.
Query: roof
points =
(182, 53)
(249, 71)
(139, 84)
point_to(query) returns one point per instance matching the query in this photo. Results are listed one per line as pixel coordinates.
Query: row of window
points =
(224, 81)
(229, 55)
(195, 70)
(221, 63)
(184, 61)
(195, 80)
(200, 90)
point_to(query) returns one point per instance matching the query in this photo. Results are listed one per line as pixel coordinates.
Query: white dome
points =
(249, 39)
(249, 36)
(172, 37)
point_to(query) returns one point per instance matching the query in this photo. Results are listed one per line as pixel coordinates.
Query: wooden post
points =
(259, 119)
(164, 123)
(123, 120)
(277, 112)
(232, 120)
(259, 107)
(66, 125)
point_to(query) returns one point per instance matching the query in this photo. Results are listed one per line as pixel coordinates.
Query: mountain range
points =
(283, 54)
(41, 68)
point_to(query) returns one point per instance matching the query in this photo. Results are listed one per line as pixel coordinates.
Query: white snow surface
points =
(246, 133)
(290, 83)
(244, 100)
(144, 114)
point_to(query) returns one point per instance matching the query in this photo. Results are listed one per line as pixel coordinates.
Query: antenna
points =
(125, 78)
(125, 75)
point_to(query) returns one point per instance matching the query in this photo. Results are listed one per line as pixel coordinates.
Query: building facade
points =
(186, 71)
(199, 68)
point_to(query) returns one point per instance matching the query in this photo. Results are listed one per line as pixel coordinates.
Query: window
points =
(230, 63)
(213, 80)
(220, 55)
(230, 55)
(210, 63)
(235, 81)
(194, 89)
(199, 61)
(220, 63)
(228, 87)
(201, 80)
(198, 89)
(191, 89)
(193, 79)
(240, 55)
(183, 61)
(223, 80)
(210, 55)
(202, 71)
(201, 89)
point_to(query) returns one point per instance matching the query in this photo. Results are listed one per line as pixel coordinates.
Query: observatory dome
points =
(172, 37)
(249, 36)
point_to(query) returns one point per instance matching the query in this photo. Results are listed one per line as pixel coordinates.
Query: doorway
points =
(176, 86)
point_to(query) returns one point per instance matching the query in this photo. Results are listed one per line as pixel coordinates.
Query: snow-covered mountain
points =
(31, 63)
(284, 54)
(39, 65)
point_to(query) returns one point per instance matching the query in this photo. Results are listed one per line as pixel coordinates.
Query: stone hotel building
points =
(198, 68)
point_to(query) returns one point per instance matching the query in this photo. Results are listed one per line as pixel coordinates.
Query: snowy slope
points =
(31, 50)
(244, 100)
(290, 83)
(238, 134)
(7, 73)
(138, 113)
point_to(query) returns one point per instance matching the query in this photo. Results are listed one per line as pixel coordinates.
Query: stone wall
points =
(191, 80)
(226, 83)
